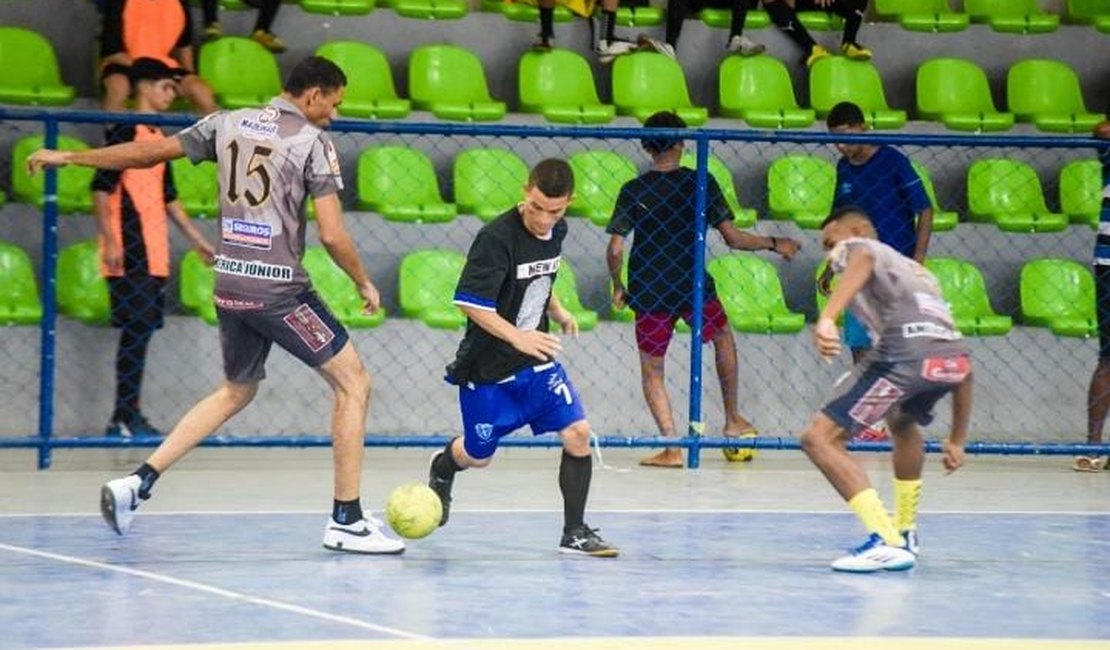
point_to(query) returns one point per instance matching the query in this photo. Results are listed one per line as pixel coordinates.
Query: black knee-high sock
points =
(739, 17)
(610, 25)
(148, 475)
(786, 20)
(574, 482)
(267, 11)
(853, 12)
(676, 13)
(445, 466)
(547, 23)
(130, 362)
(211, 11)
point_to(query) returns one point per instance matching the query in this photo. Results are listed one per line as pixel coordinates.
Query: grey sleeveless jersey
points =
(270, 159)
(901, 305)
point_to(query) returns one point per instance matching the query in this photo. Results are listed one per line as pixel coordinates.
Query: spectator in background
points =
(658, 207)
(263, 32)
(606, 44)
(784, 14)
(1098, 396)
(737, 43)
(131, 208)
(156, 29)
(882, 181)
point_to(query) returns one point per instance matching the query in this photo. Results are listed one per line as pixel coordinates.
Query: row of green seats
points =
(1011, 16)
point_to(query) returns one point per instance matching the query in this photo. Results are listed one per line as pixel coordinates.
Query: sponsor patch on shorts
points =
(949, 370)
(873, 405)
(310, 327)
(248, 234)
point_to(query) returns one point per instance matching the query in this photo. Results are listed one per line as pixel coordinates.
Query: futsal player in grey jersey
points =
(918, 358)
(270, 160)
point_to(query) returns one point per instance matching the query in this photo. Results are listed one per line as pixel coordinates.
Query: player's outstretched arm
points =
(855, 275)
(534, 343)
(953, 446)
(128, 155)
(745, 241)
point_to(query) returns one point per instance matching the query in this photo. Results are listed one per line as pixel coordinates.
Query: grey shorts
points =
(303, 326)
(913, 386)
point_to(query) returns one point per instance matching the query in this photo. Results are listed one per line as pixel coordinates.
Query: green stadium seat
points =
(1102, 24)
(240, 71)
(836, 79)
(1081, 191)
(1008, 193)
(1087, 12)
(648, 82)
(942, 220)
(1046, 92)
(426, 284)
(30, 67)
(955, 92)
(488, 182)
(338, 291)
(370, 89)
(196, 287)
(821, 21)
(922, 15)
(758, 90)
(722, 18)
(644, 16)
(1059, 294)
(338, 7)
(82, 292)
(751, 293)
(3, 198)
(198, 187)
(566, 289)
(742, 217)
(560, 85)
(400, 184)
(598, 177)
(963, 288)
(530, 13)
(74, 193)
(449, 81)
(19, 295)
(1013, 16)
(801, 188)
(430, 9)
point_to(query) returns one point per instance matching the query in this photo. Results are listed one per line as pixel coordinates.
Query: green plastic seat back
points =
(74, 193)
(836, 79)
(566, 288)
(427, 280)
(337, 289)
(949, 85)
(446, 73)
(1001, 186)
(30, 67)
(368, 74)
(747, 284)
(1043, 87)
(598, 177)
(890, 8)
(240, 71)
(396, 176)
(927, 182)
(987, 9)
(196, 287)
(649, 80)
(1081, 189)
(719, 172)
(1085, 11)
(800, 183)
(962, 286)
(1055, 287)
(558, 77)
(755, 82)
(198, 187)
(488, 181)
(82, 292)
(338, 7)
(19, 294)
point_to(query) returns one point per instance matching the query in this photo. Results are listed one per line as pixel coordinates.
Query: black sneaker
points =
(584, 540)
(441, 486)
(136, 427)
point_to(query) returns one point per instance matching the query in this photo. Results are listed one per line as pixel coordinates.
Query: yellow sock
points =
(907, 495)
(870, 510)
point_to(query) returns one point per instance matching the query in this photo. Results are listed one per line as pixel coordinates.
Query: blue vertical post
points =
(697, 427)
(49, 300)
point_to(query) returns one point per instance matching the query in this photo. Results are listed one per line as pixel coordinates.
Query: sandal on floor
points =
(1088, 464)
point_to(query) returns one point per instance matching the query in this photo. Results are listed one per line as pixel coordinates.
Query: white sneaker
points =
(875, 555)
(119, 499)
(608, 50)
(911, 543)
(364, 536)
(744, 46)
(645, 42)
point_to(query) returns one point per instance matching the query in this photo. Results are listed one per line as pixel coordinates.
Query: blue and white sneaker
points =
(909, 537)
(119, 499)
(875, 555)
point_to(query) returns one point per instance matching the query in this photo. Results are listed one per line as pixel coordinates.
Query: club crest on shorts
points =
(484, 430)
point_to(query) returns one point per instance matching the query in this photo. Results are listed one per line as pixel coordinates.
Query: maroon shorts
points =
(654, 331)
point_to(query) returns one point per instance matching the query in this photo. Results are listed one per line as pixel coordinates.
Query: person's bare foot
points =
(666, 458)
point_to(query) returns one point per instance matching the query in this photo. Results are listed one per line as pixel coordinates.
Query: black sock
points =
(609, 18)
(739, 17)
(267, 11)
(346, 512)
(574, 482)
(444, 465)
(547, 23)
(676, 13)
(852, 12)
(786, 20)
(148, 475)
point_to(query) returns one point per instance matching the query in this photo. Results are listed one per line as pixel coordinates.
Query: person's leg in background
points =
(786, 19)
(853, 12)
(263, 25)
(737, 42)
(1098, 394)
(211, 15)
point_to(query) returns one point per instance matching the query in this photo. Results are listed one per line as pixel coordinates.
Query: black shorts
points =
(303, 326)
(1102, 305)
(137, 299)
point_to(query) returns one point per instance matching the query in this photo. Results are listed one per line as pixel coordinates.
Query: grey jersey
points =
(901, 305)
(270, 159)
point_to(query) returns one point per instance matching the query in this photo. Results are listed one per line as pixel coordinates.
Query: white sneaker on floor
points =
(119, 499)
(744, 46)
(364, 536)
(875, 555)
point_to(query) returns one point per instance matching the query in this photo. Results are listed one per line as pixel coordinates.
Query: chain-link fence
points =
(416, 195)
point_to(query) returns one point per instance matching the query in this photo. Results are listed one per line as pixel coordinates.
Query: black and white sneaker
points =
(365, 536)
(441, 486)
(584, 540)
(119, 499)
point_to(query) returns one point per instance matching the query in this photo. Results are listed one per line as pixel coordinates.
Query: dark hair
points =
(845, 114)
(843, 212)
(552, 177)
(661, 120)
(315, 72)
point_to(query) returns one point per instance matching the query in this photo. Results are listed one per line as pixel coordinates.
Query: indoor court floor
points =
(227, 555)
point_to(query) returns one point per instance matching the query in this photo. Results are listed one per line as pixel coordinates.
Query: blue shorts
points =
(541, 397)
(855, 334)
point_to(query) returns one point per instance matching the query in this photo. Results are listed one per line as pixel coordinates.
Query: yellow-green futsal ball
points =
(413, 510)
(739, 454)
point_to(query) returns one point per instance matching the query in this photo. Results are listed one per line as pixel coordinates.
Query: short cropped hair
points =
(552, 177)
(315, 72)
(844, 212)
(662, 120)
(845, 114)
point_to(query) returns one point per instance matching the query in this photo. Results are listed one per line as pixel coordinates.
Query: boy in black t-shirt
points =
(505, 367)
(658, 207)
